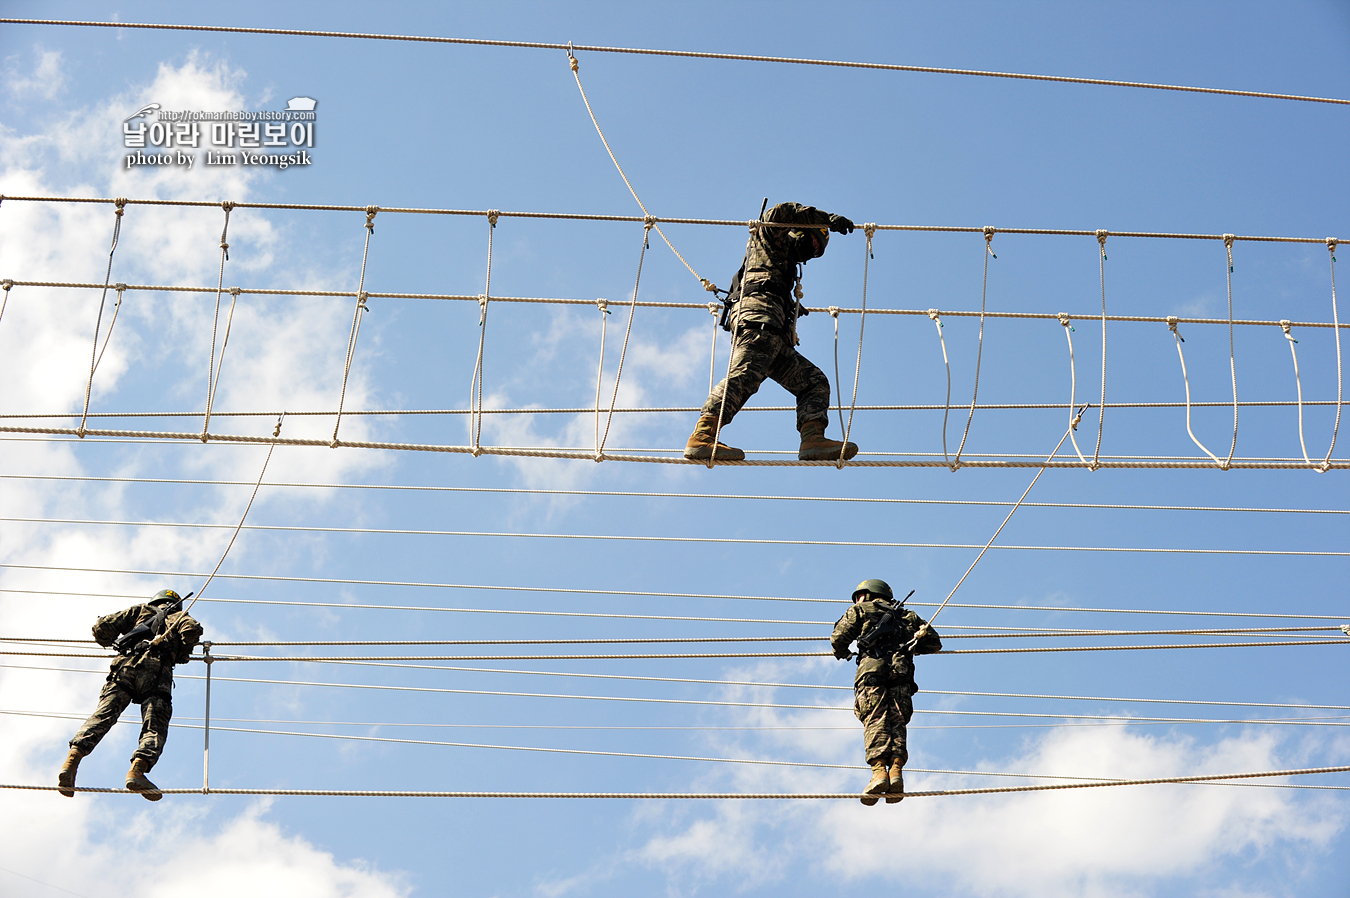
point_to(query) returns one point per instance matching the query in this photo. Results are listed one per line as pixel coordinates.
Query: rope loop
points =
(834, 312)
(493, 215)
(227, 205)
(571, 59)
(121, 203)
(371, 212)
(713, 309)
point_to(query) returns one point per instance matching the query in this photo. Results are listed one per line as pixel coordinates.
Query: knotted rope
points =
(947, 403)
(628, 331)
(979, 352)
(1073, 387)
(1101, 409)
(215, 320)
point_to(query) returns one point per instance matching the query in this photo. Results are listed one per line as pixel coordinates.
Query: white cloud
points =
(282, 354)
(47, 80)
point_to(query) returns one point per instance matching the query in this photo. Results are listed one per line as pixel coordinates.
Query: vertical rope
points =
(357, 314)
(632, 307)
(1172, 326)
(838, 390)
(276, 433)
(206, 736)
(1285, 325)
(120, 203)
(1336, 320)
(476, 382)
(712, 356)
(1073, 390)
(603, 305)
(1232, 356)
(215, 319)
(947, 404)
(7, 283)
(215, 381)
(870, 230)
(979, 352)
(1101, 409)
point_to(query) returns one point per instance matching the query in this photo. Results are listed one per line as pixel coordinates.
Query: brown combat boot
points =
(700, 445)
(137, 782)
(878, 786)
(897, 792)
(816, 447)
(66, 778)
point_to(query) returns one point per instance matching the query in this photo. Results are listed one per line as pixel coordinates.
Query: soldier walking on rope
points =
(889, 636)
(761, 311)
(150, 639)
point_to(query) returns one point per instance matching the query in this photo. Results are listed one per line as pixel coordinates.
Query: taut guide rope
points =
(476, 382)
(94, 354)
(212, 371)
(623, 352)
(357, 314)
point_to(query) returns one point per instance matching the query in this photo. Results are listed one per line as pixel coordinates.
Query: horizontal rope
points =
(601, 592)
(1116, 719)
(572, 751)
(590, 455)
(628, 537)
(1306, 771)
(702, 307)
(662, 495)
(681, 54)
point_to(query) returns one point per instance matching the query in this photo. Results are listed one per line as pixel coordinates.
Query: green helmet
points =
(879, 588)
(166, 595)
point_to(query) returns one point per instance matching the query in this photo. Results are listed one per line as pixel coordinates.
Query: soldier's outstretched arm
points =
(110, 626)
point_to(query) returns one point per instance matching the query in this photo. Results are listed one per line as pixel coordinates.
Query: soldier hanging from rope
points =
(889, 636)
(150, 639)
(761, 311)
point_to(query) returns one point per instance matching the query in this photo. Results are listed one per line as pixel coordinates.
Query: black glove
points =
(840, 225)
(843, 655)
(802, 311)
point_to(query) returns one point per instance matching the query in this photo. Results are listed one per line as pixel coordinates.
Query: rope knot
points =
(602, 305)
(371, 212)
(1228, 240)
(1331, 245)
(227, 205)
(834, 311)
(1172, 322)
(870, 229)
(234, 291)
(713, 308)
(709, 286)
(933, 313)
(571, 60)
(119, 287)
(492, 217)
(988, 233)
(7, 283)
(276, 431)
(121, 203)
(361, 301)
(1064, 319)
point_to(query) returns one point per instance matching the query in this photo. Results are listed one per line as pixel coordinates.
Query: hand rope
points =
(1336, 323)
(979, 352)
(215, 320)
(357, 314)
(647, 216)
(870, 230)
(1013, 511)
(476, 382)
(1298, 382)
(215, 382)
(712, 355)
(1172, 326)
(628, 331)
(1101, 409)
(276, 432)
(1232, 357)
(93, 353)
(1073, 387)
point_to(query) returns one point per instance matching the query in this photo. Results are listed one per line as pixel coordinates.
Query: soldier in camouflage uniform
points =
(889, 636)
(763, 321)
(142, 673)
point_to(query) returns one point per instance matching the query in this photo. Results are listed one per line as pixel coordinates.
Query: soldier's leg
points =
(796, 374)
(155, 714)
(902, 710)
(752, 354)
(870, 707)
(112, 701)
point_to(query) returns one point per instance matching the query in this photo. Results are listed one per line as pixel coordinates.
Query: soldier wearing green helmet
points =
(150, 639)
(889, 636)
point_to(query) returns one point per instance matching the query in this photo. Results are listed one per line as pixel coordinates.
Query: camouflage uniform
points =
(764, 320)
(145, 678)
(884, 683)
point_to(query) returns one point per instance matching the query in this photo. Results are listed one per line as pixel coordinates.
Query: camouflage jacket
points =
(893, 664)
(772, 255)
(181, 632)
(151, 671)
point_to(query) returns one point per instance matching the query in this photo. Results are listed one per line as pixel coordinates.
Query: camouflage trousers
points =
(156, 710)
(756, 355)
(884, 710)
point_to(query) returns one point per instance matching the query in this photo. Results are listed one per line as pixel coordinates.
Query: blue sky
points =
(482, 128)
